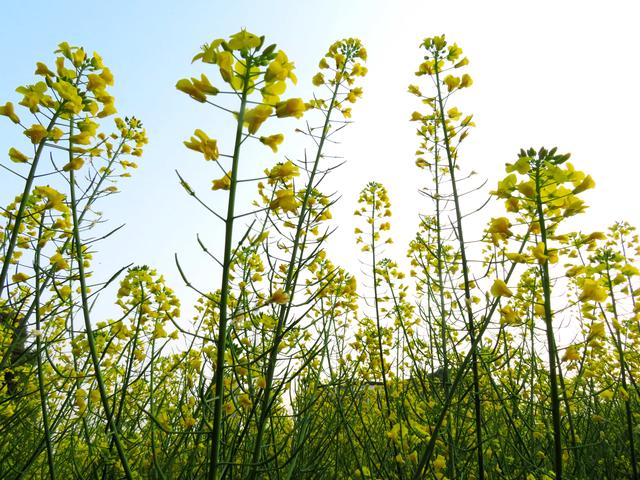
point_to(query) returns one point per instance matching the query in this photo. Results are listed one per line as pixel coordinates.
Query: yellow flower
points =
(354, 94)
(454, 113)
(20, 277)
(223, 183)
(439, 463)
(280, 69)
(571, 354)
(528, 189)
(283, 171)
(55, 199)
(591, 290)
(466, 81)
(394, 433)
(189, 421)
(203, 144)
(273, 141)
(159, 331)
(538, 253)
(597, 330)
(415, 90)
(522, 166)
(42, 69)
(8, 111)
(17, 156)
(508, 316)
(75, 164)
(34, 96)
(279, 296)
(95, 83)
(107, 76)
(228, 408)
(36, 133)
(358, 70)
(197, 89)
(318, 79)
(517, 257)
(255, 117)
(271, 92)
(108, 109)
(58, 262)
(185, 85)
(294, 107)
(285, 200)
(204, 85)
(81, 399)
(225, 63)
(451, 82)
(261, 382)
(69, 93)
(499, 229)
(244, 39)
(65, 291)
(575, 270)
(586, 184)
(500, 289)
(245, 401)
(512, 204)
(607, 394)
(78, 57)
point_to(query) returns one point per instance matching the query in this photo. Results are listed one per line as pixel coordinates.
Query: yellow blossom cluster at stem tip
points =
(66, 104)
(245, 65)
(340, 67)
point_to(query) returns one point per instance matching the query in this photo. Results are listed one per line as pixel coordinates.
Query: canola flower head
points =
(279, 297)
(200, 142)
(272, 141)
(500, 289)
(244, 40)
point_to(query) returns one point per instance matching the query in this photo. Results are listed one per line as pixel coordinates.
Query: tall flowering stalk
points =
(442, 131)
(249, 69)
(344, 72)
(246, 67)
(542, 199)
(67, 105)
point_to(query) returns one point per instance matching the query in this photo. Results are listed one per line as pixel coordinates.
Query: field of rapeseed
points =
(458, 367)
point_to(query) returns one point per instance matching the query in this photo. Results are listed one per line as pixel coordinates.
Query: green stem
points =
(457, 380)
(376, 301)
(284, 309)
(465, 273)
(216, 433)
(87, 319)
(623, 372)
(551, 343)
(43, 398)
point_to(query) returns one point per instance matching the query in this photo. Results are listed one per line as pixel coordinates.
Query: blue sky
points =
(546, 73)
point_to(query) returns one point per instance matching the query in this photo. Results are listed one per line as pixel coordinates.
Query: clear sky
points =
(560, 73)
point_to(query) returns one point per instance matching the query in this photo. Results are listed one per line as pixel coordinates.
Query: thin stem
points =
(43, 398)
(465, 273)
(87, 319)
(216, 432)
(551, 343)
